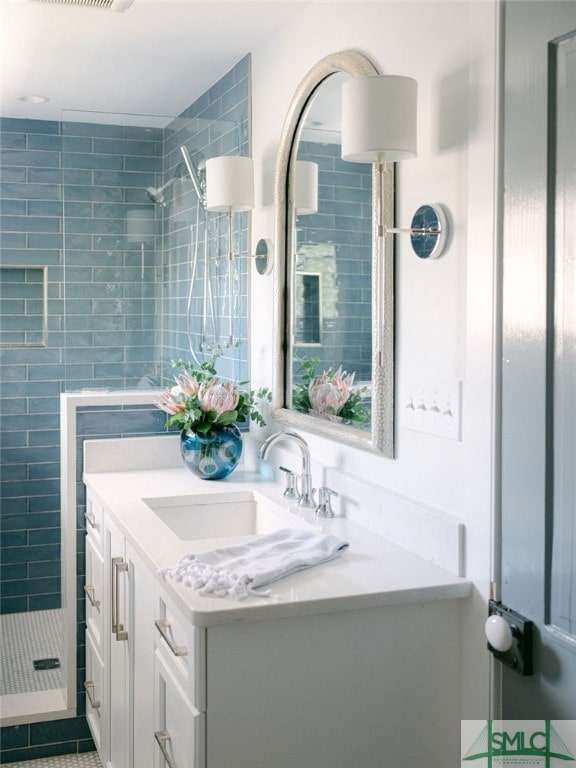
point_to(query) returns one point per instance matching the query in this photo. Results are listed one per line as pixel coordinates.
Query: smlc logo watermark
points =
(504, 743)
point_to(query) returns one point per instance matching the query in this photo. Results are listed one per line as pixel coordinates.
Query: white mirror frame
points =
(380, 438)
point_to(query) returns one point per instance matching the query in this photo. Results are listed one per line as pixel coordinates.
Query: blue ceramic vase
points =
(214, 455)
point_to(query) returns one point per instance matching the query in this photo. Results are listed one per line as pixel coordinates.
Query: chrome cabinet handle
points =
(92, 521)
(89, 590)
(118, 566)
(163, 626)
(162, 737)
(88, 686)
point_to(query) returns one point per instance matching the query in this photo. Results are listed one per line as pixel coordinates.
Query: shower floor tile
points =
(28, 638)
(86, 760)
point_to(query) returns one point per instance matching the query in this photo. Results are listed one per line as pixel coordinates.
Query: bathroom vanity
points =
(353, 663)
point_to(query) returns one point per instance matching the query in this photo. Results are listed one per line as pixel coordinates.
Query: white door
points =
(538, 557)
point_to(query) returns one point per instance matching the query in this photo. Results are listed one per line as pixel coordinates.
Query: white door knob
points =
(498, 633)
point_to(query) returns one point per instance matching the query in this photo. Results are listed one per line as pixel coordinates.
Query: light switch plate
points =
(432, 405)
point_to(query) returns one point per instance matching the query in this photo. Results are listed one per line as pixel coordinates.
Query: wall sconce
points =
(305, 187)
(230, 189)
(379, 119)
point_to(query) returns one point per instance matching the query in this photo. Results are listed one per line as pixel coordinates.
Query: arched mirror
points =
(334, 294)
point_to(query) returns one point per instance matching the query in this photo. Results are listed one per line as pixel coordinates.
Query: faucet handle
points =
(291, 490)
(324, 508)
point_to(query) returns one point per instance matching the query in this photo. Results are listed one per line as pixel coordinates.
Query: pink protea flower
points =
(188, 383)
(329, 394)
(171, 402)
(214, 396)
(344, 381)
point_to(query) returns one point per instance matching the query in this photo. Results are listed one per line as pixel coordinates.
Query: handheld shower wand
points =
(192, 172)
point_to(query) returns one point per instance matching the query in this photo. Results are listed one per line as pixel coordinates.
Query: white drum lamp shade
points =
(379, 118)
(305, 187)
(229, 184)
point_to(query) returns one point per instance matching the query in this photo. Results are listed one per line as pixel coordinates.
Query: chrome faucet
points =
(306, 497)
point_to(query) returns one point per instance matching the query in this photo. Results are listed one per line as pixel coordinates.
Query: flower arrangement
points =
(330, 395)
(200, 402)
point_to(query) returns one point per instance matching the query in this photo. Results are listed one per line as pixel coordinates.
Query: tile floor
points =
(29, 637)
(86, 760)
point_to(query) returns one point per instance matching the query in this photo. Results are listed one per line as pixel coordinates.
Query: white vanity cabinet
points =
(375, 688)
(94, 684)
(368, 688)
(179, 686)
(356, 663)
(119, 646)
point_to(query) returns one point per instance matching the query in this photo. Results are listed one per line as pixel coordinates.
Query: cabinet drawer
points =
(94, 518)
(179, 729)
(182, 647)
(94, 591)
(94, 687)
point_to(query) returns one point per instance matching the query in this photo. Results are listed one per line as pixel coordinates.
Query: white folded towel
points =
(238, 570)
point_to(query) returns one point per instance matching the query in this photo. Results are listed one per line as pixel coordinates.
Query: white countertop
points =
(372, 572)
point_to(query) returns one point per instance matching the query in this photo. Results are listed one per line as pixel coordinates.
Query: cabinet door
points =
(179, 729)
(182, 648)
(117, 648)
(141, 675)
(94, 514)
(95, 691)
(94, 590)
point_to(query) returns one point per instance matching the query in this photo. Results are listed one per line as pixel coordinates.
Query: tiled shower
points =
(94, 293)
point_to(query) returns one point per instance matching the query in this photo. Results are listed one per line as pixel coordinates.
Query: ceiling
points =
(154, 59)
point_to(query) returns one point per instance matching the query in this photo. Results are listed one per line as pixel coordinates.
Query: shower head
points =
(156, 194)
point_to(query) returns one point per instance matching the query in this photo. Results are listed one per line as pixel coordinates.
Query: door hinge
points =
(510, 637)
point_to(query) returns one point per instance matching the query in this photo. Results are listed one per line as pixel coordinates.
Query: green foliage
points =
(201, 402)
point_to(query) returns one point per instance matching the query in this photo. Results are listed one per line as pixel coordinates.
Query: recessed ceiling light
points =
(37, 99)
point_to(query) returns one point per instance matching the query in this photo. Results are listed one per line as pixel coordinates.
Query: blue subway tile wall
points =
(215, 125)
(73, 201)
(109, 282)
(342, 227)
(22, 305)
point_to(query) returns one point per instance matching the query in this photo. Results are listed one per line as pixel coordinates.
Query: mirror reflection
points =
(330, 273)
(334, 295)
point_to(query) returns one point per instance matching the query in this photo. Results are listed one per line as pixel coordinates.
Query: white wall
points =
(444, 308)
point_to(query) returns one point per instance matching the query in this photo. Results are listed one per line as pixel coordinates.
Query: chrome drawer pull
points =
(89, 590)
(162, 626)
(118, 566)
(88, 686)
(162, 737)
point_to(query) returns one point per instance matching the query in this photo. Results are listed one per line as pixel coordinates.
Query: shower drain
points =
(40, 664)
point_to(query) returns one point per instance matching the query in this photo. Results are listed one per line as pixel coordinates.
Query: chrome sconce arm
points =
(428, 231)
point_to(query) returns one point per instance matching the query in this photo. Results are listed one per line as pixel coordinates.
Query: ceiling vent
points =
(119, 6)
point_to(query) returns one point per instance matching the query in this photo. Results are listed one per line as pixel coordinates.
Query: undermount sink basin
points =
(218, 515)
